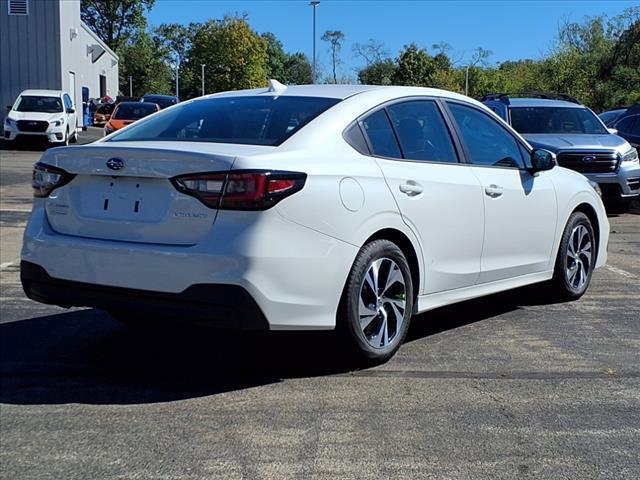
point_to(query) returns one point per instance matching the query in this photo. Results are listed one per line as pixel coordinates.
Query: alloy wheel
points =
(579, 254)
(382, 302)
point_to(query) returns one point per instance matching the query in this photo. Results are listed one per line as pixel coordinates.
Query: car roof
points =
(136, 104)
(542, 102)
(43, 93)
(156, 95)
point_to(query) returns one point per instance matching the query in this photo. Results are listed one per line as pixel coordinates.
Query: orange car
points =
(128, 112)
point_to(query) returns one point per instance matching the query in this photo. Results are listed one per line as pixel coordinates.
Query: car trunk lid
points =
(123, 192)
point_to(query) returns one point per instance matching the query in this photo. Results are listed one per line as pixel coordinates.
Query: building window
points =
(18, 7)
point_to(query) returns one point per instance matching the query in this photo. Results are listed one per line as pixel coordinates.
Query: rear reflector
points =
(240, 190)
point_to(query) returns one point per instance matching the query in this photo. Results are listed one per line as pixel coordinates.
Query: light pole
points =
(202, 76)
(177, 81)
(466, 80)
(130, 86)
(314, 4)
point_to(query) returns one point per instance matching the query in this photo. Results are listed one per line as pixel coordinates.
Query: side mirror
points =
(71, 110)
(542, 160)
(613, 131)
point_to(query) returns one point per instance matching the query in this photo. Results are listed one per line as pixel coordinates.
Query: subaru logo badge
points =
(588, 159)
(115, 164)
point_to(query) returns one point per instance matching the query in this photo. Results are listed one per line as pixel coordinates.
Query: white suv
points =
(48, 114)
(308, 207)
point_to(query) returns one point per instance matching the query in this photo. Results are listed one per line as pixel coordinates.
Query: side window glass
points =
(355, 138)
(624, 125)
(635, 128)
(422, 132)
(67, 102)
(381, 136)
(487, 141)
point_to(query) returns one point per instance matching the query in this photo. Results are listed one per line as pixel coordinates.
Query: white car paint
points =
(62, 125)
(294, 258)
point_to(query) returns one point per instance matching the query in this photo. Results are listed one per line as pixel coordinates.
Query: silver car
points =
(579, 139)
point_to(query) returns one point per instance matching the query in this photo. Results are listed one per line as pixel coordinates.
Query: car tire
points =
(74, 137)
(65, 140)
(377, 302)
(576, 258)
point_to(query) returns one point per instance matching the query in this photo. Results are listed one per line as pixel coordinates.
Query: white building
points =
(45, 45)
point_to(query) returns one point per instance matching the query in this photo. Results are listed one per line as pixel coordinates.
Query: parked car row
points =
(51, 115)
(580, 140)
(346, 207)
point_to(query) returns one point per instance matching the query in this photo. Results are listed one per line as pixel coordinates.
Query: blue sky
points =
(510, 29)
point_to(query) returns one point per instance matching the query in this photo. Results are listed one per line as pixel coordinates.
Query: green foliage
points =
(380, 72)
(235, 57)
(415, 67)
(115, 21)
(294, 69)
(143, 60)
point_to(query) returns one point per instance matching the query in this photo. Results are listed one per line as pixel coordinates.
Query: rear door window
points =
(422, 132)
(381, 137)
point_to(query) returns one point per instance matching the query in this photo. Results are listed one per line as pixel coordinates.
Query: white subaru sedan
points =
(308, 208)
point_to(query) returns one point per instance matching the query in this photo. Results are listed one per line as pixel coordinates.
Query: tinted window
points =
(381, 136)
(39, 104)
(611, 116)
(134, 111)
(67, 101)
(163, 102)
(422, 132)
(635, 128)
(355, 138)
(254, 120)
(555, 120)
(626, 124)
(487, 141)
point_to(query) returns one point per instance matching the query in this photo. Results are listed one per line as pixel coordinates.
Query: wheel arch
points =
(590, 212)
(404, 243)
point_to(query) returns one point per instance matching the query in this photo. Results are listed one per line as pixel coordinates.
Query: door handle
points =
(411, 188)
(493, 191)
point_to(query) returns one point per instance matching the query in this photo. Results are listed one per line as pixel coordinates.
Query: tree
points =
(415, 67)
(142, 59)
(335, 38)
(371, 52)
(175, 41)
(115, 21)
(234, 55)
(298, 69)
(276, 57)
(380, 72)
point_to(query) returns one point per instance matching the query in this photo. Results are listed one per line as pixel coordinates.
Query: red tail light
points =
(45, 179)
(240, 190)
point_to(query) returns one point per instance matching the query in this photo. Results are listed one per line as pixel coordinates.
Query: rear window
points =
(134, 111)
(163, 102)
(250, 120)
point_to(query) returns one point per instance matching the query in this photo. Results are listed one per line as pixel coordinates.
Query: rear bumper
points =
(222, 306)
(295, 275)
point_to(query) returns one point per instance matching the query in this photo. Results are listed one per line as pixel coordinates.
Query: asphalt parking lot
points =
(508, 386)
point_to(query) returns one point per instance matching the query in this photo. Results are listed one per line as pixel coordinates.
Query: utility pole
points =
(466, 80)
(177, 81)
(314, 4)
(202, 76)
(130, 86)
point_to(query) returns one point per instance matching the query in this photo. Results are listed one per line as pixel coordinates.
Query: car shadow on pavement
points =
(84, 356)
